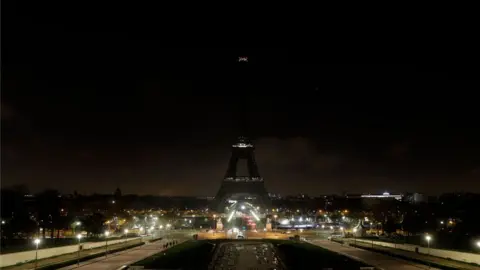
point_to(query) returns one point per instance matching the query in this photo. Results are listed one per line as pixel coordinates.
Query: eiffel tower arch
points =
(236, 187)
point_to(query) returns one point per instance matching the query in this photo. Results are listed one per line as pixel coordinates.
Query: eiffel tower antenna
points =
(243, 82)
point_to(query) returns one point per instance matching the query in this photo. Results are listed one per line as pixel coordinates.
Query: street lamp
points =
(75, 227)
(79, 236)
(168, 228)
(36, 242)
(428, 238)
(478, 244)
(126, 232)
(106, 242)
(354, 238)
(275, 220)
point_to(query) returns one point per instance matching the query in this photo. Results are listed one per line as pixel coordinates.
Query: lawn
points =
(302, 255)
(188, 255)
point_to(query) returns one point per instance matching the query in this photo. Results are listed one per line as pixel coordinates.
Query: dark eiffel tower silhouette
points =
(249, 187)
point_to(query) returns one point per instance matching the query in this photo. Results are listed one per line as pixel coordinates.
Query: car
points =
(240, 237)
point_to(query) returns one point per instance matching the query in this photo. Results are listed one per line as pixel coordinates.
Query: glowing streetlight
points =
(428, 238)
(478, 244)
(107, 233)
(243, 207)
(76, 224)
(79, 237)
(36, 242)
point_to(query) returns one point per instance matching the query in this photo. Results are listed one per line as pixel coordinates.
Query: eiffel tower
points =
(242, 187)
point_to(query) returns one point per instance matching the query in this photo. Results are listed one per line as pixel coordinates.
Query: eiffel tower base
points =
(241, 191)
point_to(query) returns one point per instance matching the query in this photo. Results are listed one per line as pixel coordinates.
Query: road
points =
(372, 258)
(119, 259)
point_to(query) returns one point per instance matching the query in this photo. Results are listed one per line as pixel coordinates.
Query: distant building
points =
(302, 196)
(274, 196)
(415, 198)
(117, 194)
(385, 195)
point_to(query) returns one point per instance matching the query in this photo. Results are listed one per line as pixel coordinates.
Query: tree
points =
(390, 225)
(48, 203)
(24, 224)
(14, 211)
(13, 202)
(62, 223)
(412, 224)
(94, 224)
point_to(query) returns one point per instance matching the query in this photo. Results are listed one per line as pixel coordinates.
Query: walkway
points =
(369, 257)
(119, 259)
(116, 260)
(422, 257)
(66, 257)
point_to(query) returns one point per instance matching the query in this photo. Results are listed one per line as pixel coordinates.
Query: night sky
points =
(93, 109)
